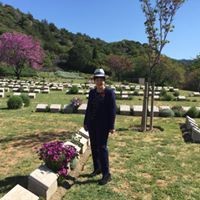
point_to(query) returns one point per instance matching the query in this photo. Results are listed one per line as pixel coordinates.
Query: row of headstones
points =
(135, 110)
(42, 182)
(17, 84)
(130, 86)
(191, 130)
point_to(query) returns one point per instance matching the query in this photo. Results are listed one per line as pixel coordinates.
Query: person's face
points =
(99, 82)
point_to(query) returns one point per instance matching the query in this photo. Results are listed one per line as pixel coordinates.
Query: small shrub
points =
(136, 92)
(163, 92)
(167, 97)
(166, 113)
(193, 112)
(25, 99)
(178, 111)
(73, 90)
(14, 102)
(176, 93)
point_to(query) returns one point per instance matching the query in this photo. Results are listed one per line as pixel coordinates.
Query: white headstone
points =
(41, 107)
(43, 182)
(55, 108)
(125, 109)
(137, 110)
(82, 108)
(19, 193)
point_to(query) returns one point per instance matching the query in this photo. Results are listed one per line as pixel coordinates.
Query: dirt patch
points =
(146, 176)
(156, 129)
(161, 183)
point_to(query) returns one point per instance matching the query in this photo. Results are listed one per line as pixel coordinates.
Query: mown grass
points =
(157, 165)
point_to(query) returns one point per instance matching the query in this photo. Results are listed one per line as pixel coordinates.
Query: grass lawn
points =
(145, 166)
(156, 165)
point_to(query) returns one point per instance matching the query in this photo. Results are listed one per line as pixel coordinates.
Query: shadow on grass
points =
(9, 182)
(33, 140)
(71, 181)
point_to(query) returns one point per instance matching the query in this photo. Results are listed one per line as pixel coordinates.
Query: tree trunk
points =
(18, 70)
(144, 111)
(152, 105)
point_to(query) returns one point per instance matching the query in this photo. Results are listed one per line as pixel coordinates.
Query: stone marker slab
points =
(41, 107)
(125, 96)
(156, 97)
(2, 90)
(125, 109)
(72, 144)
(196, 134)
(55, 108)
(84, 133)
(82, 108)
(16, 93)
(45, 91)
(36, 90)
(15, 89)
(2, 95)
(155, 110)
(164, 107)
(185, 108)
(32, 95)
(84, 143)
(19, 193)
(43, 182)
(196, 94)
(125, 92)
(137, 110)
(181, 98)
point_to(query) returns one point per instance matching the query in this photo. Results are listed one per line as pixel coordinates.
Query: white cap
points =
(99, 73)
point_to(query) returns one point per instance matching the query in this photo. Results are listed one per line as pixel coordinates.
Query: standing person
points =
(99, 121)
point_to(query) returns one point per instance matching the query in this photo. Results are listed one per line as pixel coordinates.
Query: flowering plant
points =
(76, 102)
(57, 156)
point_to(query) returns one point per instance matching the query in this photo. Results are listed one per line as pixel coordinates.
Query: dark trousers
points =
(98, 140)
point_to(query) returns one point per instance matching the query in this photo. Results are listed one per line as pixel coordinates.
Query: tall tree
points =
(18, 50)
(119, 65)
(158, 24)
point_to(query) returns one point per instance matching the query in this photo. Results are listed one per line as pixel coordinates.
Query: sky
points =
(115, 20)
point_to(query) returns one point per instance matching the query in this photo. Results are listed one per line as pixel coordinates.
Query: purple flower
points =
(56, 156)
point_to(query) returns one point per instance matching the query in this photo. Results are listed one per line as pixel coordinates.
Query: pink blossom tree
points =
(18, 50)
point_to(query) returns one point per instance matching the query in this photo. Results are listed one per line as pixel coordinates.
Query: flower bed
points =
(57, 156)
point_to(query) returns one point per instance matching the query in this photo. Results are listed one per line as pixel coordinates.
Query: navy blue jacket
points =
(105, 120)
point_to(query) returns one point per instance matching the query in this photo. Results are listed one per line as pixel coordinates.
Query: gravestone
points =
(32, 95)
(124, 109)
(196, 134)
(43, 182)
(16, 93)
(181, 98)
(155, 110)
(84, 133)
(41, 107)
(137, 110)
(83, 142)
(82, 108)
(19, 193)
(55, 108)
(164, 107)
(2, 95)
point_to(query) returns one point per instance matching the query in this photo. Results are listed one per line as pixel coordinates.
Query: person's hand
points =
(112, 131)
(86, 128)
